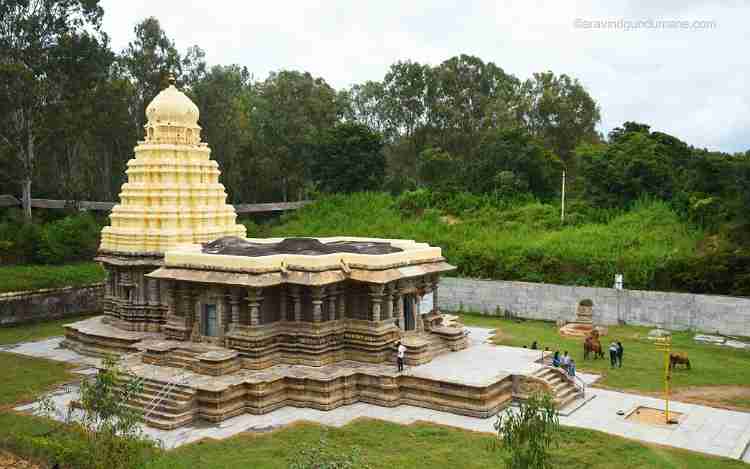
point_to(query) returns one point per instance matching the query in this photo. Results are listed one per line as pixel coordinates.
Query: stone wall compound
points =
(53, 303)
(675, 311)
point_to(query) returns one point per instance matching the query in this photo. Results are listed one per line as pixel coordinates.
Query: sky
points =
(680, 66)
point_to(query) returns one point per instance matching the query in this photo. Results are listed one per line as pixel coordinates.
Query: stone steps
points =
(162, 408)
(564, 391)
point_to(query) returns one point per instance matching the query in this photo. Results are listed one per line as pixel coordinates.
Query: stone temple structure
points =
(216, 324)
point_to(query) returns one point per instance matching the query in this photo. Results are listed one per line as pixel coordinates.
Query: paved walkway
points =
(705, 429)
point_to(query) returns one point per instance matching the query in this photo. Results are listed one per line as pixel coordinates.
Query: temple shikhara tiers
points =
(216, 324)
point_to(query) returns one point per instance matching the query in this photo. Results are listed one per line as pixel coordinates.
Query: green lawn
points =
(388, 445)
(35, 330)
(26, 377)
(643, 366)
(32, 277)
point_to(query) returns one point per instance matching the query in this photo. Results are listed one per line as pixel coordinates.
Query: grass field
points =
(35, 330)
(26, 377)
(643, 367)
(387, 445)
(32, 277)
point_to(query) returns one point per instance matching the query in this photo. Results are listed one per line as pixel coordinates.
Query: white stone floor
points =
(705, 429)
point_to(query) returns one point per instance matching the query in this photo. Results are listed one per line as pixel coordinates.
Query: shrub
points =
(586, 302)
(70, 239)
(529, 433)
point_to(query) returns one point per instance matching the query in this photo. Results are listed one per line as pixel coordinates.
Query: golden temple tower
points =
(173, 196)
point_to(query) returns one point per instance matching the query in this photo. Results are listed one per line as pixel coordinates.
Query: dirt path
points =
(11, 461)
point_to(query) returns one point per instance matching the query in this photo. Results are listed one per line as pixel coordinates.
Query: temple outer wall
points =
(53, 303)
(676, 311)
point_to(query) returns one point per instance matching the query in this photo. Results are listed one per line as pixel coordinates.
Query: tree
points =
(365, 104)
(149, 60)
(529, 432)
(559, 111)
(289, 111)
(104, 420)
(509, 161)
(30, 32)
(223, 97)
(348, 158)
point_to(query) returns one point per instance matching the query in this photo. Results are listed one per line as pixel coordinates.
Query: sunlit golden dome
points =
(172, 107)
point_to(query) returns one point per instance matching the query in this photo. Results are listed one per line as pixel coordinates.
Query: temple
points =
(215, 324)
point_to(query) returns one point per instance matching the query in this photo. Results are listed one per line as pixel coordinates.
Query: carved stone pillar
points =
(296, 302)
(317, 303)
(108, 283)
(169, 294)
(332, 295)
(254, 299)
(234, 309)
(388, 305)
(376, 300)
(400, 309)
(184, 303)
(435, 295)
(341, 306)
(283, 304)
(153, 291)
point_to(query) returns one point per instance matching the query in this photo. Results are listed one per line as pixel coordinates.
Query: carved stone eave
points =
(269, 279)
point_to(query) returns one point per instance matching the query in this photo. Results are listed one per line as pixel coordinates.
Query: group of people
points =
(565, 362)
(615, 354)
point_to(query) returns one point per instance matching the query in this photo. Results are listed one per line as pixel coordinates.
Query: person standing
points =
(565, 361)
(572, 368)
(401, 352)
(613, 350)
(620, 351)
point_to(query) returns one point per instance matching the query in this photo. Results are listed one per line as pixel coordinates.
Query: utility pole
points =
(562, 199)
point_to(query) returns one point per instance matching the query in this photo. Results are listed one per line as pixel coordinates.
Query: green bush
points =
(70, 239)
(516, 240)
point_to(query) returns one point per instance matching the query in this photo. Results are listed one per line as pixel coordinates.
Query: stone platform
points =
(185, 382)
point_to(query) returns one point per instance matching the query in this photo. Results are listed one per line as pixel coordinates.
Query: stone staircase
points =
(165, 406)
(437, 346)
(182, 358)
(564, 389)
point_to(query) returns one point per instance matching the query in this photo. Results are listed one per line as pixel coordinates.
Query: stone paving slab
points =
(51, 350)
(704, 429)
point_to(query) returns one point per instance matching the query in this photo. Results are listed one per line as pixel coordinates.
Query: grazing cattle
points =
(679, 359)
(592, 344)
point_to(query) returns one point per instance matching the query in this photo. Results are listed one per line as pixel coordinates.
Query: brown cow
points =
(679, 359)
(592, 344)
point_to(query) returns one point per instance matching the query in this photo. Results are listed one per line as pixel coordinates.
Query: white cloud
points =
(692, 84)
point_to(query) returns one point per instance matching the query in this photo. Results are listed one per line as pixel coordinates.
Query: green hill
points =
(523, 241)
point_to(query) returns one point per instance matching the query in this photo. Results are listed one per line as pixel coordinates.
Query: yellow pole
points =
(667, 379)
(665, 344)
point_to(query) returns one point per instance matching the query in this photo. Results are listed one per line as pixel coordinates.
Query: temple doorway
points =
(409, 319)
(209, 321)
